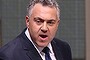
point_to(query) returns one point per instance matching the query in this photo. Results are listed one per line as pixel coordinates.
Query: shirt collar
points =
(39, 49)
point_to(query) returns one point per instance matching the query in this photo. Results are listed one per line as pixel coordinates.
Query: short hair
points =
(49, 3)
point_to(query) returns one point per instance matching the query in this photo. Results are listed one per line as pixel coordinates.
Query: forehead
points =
(44, 11)
(39, 6)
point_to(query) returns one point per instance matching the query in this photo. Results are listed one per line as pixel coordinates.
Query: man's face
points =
(42, 24)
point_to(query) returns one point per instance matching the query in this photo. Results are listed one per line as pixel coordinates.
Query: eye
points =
(38, 21)
(51, 22)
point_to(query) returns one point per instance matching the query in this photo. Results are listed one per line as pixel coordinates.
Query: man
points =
(42, 22)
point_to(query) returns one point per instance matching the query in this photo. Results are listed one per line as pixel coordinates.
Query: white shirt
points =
(39, 49)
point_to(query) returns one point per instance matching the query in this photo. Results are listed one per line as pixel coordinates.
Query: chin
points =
(43, 45)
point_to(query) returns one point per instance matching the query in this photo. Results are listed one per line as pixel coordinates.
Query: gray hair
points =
(50, 3)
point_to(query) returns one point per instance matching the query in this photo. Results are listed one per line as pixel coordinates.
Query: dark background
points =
(71, 29)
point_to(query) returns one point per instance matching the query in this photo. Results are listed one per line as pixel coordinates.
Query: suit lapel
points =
(30, 50)
(33, 55)
(57, 51)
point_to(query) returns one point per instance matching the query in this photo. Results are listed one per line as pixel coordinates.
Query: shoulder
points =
(60, 42)
(64, 47)
(11, 45)
(9, 49)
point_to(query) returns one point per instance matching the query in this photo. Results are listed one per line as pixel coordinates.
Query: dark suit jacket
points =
(22, 49)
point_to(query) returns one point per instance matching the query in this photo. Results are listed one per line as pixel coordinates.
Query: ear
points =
(58, 22)
(27, 21)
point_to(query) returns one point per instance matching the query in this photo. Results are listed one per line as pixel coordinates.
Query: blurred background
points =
(71, 29)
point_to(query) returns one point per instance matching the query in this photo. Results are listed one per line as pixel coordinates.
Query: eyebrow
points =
(44, 19)
(37, 18)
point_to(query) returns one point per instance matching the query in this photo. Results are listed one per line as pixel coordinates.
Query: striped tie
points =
(47, 55)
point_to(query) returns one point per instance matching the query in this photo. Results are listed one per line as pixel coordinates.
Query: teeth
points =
(43, 36)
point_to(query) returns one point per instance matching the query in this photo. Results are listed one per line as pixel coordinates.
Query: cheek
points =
(33, 28)
(53, 31)
(33, 32)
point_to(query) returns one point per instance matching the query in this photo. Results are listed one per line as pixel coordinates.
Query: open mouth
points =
(43, 36)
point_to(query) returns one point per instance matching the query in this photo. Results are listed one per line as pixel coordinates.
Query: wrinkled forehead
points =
(44, 12)
(39, 7)
(43, 2)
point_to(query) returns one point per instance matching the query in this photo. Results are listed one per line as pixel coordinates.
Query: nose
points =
(44, 27)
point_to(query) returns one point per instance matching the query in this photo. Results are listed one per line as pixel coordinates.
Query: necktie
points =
(47, 55)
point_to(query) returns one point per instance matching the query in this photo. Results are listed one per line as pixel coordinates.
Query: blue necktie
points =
(47, 55)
